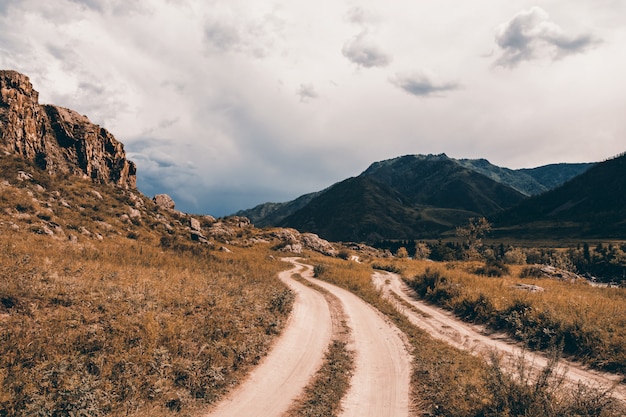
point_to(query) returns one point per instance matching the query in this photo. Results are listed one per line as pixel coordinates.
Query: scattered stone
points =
(23, 176)
(292, 248)
(196, 236)
(134, 213)
(209, 219)
(314, 242)
(97, 194)
(528, 287)
(73, 239)
(225, 249)
(136, 200)
(194, 224)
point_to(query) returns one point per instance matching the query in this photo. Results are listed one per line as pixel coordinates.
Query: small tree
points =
(422, 251)
(472, 234)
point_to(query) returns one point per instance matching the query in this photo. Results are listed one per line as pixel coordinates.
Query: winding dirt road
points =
(379, 384)
(296, 356)
(445, 326)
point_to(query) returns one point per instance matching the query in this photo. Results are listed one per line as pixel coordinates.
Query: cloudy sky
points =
(224, 104)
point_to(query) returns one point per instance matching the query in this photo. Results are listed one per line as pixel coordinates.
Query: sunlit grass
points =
(586, 321)
(449, 382)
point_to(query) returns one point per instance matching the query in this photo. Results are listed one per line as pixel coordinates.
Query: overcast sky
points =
(224, 104)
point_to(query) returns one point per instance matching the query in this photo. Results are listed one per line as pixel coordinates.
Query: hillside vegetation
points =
(592, 205)
(104, 314)
(585, 321)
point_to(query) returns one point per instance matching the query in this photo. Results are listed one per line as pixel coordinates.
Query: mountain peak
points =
(58, 140)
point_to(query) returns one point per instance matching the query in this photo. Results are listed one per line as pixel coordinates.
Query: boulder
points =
(164, 201)
(194, 224)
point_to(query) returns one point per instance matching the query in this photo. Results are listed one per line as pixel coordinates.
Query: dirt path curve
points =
(380, 383)
(293, 360)
(444, 325)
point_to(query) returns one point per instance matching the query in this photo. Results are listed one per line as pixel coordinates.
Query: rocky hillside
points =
(58, 140)
(67, 178)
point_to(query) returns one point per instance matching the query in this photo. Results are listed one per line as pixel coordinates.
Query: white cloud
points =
(422, 84)
(531, 34)
(307, 92)
(364, 51)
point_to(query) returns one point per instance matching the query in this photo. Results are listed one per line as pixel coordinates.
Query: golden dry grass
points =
(452, 383)
(112, 322)
(119, 328)
(587, 321)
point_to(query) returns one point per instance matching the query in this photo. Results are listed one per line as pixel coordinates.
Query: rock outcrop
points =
(58, 140)
(164, 201)
(295, 242)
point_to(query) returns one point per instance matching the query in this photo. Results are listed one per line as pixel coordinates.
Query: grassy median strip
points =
(322, 397)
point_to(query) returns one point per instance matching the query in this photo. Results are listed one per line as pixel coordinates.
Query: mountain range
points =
(413, 196)
(409, 197)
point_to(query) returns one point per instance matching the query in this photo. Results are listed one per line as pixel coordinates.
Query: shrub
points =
(493, 268)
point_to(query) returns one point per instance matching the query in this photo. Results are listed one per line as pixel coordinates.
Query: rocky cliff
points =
(59, 140)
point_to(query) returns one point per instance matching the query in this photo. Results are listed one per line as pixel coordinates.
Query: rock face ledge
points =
(58, 140)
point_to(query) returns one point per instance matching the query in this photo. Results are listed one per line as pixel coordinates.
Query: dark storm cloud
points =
(421, 85)
(531, 33)
(363, 51)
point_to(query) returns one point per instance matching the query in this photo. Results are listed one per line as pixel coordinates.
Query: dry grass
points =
(323, 394)
(119, 328)
(445, 381)
(112, 322)
(588, 322)
(449, 382)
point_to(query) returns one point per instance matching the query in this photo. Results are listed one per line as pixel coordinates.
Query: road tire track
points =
(443, 325)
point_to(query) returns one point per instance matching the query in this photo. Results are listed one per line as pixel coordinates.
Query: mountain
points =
(60, 141)
(592, 204)
(411, 196)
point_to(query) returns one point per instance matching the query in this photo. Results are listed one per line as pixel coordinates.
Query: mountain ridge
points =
(417, 195)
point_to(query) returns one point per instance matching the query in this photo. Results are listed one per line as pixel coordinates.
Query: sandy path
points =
(293, 360)
(444, 325)
(380, 383)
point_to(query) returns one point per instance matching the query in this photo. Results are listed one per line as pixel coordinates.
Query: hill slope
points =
(590, 205)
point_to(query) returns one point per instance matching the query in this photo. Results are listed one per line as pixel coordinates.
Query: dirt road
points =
(380, 384)
(444, 325)
(296, 356)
